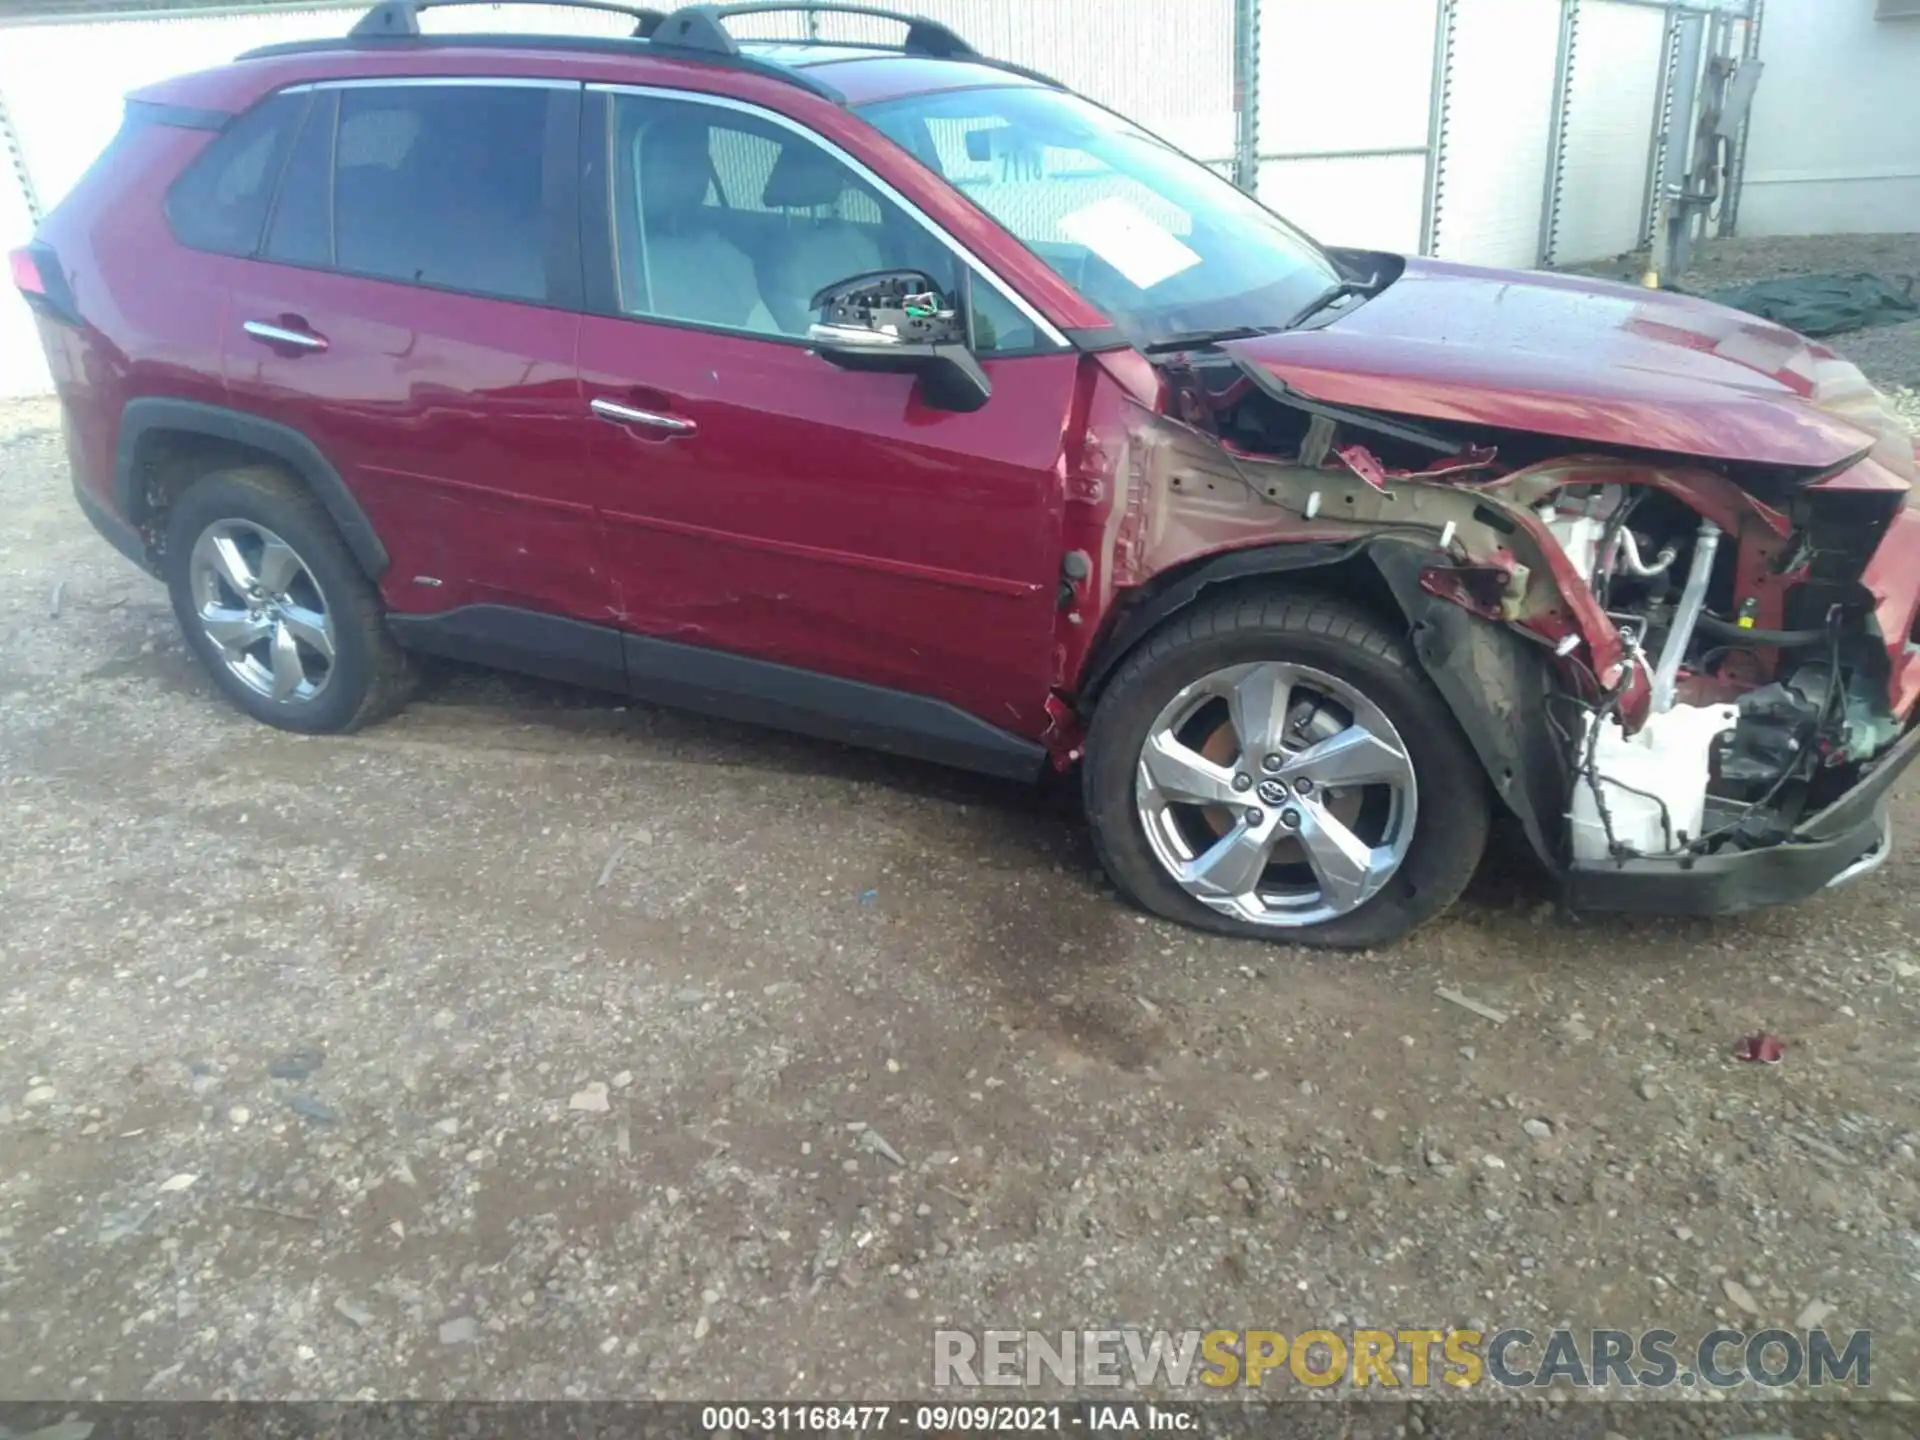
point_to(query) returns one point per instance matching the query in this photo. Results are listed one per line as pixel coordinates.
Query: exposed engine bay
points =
(1717, 668)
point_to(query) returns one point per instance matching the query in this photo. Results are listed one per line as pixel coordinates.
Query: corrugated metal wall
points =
(1613, 93)
(1346, 112)
(1343, 146)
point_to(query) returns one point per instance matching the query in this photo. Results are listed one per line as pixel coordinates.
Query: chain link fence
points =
(1503, 132)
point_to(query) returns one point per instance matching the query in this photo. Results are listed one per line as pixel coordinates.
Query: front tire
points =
(1277, 766)
(273, 604)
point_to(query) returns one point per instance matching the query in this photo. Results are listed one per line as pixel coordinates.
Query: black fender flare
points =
(147, 416)
(1497, 684)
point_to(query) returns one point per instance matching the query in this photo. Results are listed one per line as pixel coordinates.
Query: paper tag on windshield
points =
(1129, 241)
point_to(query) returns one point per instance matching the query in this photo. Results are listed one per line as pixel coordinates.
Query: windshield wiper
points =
(1189, 339)
(1339, 290)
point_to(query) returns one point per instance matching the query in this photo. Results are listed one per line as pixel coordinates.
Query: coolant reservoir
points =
(1667, 759)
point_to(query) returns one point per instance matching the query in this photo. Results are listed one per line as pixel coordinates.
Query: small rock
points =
(39, 1095)
(623, 1079)
(1306, 1087)
(1467, 1052)
(239, 1115)
(1434, 1158)
(309, 1108)
(462, 1331)
(448, 1126)
(359, 1315)
(1739, 1295)
(593, 1098)
(175, 1183)
(689, 996)
(1339, 1217)
(1814, 1316)
(1645, 1088)
(296, 1064)
(700, 1328)
(1539, 1129)
(1377, 1113)
(1683, 1234)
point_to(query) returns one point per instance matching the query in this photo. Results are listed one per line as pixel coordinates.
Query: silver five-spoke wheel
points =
(259, 605)
(1277, 794)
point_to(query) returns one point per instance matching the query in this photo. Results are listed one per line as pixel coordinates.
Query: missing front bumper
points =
(1850, 838)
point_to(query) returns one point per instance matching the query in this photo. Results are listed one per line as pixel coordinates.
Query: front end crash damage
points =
(1688, 678)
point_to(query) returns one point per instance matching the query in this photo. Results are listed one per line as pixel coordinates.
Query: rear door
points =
(413, 310)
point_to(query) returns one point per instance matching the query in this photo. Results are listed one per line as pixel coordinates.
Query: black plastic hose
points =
(1727, 630)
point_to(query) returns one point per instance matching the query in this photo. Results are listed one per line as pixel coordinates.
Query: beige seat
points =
(814, 251)
(688, 270)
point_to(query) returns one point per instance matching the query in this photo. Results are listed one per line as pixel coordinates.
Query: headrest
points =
(802, 178)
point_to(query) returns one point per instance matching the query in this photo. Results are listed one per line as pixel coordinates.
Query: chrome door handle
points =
(627, 415)
(280, 335)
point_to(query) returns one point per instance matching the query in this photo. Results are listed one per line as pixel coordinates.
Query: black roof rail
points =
(700, 27)
(400, 19)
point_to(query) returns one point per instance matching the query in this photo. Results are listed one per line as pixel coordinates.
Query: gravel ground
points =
(537, 1045)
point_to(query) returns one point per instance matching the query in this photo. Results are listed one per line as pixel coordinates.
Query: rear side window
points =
(437, 185)
(221, 202)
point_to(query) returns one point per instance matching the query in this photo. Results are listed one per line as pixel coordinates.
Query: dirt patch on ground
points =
(539, 1045)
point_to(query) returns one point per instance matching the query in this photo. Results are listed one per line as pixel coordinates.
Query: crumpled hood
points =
(1589, 360)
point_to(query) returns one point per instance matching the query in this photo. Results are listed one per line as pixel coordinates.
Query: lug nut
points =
(1272, 763)
(1255, 815)
(1243, 782)
(1303, 786)
(1290, 818)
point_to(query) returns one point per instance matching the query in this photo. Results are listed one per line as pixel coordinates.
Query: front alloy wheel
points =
(1277, 794)
(1278, 765)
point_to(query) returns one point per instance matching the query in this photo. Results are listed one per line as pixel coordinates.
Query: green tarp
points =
(1826, 304)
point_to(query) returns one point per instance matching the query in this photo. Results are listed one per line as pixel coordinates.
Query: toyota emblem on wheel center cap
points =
(1273, 792)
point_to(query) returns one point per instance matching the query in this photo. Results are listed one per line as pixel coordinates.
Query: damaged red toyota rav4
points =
(898, 395)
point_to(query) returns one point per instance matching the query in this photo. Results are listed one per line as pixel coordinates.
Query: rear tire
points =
(273, 604)
(1371, 807)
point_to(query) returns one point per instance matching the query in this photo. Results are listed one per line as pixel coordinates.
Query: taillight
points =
(36, 270)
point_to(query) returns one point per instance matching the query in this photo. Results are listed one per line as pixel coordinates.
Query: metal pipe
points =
(1557, 134)
(1656, 141)
(1629, 557)
(1246, 95)
(1693, 600)
(1678, 170)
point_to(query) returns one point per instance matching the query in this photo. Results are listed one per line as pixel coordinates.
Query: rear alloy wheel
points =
(262, 611)
(268, 596)
(1279, 766)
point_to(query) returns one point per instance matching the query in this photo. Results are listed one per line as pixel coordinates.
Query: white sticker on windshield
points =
(1129, 241)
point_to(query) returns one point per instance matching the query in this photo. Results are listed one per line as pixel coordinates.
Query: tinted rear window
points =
(428, 185)
(221, 202)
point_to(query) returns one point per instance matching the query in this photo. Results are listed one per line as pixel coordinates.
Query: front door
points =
(760, 501)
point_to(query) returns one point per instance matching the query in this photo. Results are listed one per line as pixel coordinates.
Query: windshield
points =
(1162, 244)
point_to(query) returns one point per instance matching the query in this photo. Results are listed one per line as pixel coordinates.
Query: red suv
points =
(898, 395)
